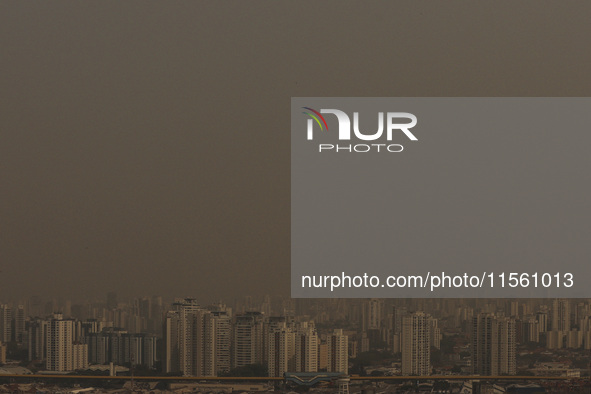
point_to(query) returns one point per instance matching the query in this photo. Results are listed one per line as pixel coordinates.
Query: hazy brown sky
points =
(145, 145)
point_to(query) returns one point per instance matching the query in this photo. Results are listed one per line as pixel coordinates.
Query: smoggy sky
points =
(145, 145)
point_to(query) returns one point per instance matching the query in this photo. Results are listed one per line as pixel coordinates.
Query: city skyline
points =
(490, 330)
(281, 341)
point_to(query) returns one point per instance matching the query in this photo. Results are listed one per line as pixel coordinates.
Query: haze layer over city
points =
(145, 215)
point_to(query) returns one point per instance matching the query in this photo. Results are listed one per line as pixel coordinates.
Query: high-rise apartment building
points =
(59, 340)
(19, 324)
(121, 348)
(493, 345)
(5, 323)
(36, 339)
(338, 352)
(373, 314)
(195, 340)
(434, 333)
(416, 344)
(248, 346)
(79, 356)
(560, 315)
(171, 338)
(530, 330)
(281, 347)
(542, 318)
(222, 328)
(306, 348)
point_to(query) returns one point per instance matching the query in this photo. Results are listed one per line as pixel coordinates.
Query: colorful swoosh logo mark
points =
(315, 115)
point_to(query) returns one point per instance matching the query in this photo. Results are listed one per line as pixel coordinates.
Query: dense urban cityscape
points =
(276, 337)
